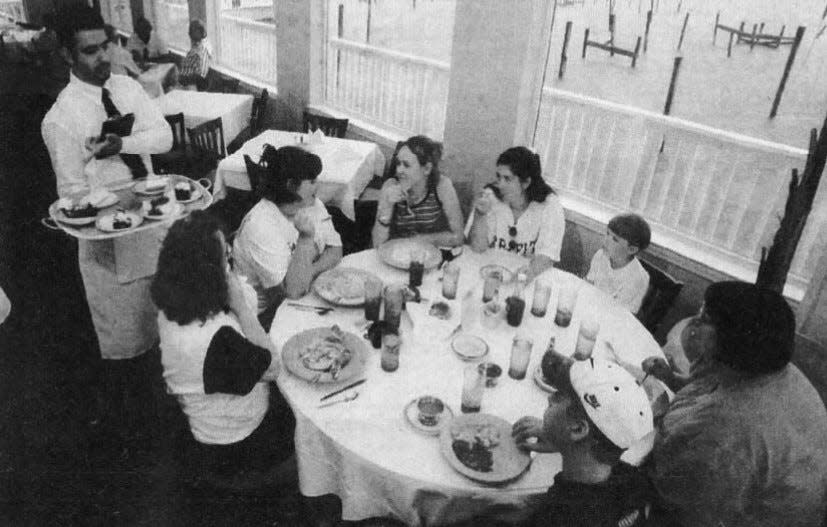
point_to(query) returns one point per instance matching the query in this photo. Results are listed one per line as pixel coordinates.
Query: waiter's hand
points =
(109, 146)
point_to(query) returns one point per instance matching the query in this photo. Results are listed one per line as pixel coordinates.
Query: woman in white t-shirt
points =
(287, 238)
(519, 212)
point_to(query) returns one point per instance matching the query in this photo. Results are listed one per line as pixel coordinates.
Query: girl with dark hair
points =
(287, 238)
(519, 212)
(417, 200)
(217, 359)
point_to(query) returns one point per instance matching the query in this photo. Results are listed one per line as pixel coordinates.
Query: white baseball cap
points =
(613, 400)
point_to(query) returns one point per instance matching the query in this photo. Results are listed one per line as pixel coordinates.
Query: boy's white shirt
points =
(627, 285)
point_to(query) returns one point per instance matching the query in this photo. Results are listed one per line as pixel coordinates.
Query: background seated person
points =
(216, 357)
(197, 62)
(519, 212)
(743, 443)
(597, 413)
(287, 238)
(615, 269)
(145, 45)
(120, 60)
(417, 201)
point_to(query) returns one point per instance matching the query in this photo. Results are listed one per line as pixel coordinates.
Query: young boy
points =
(598, 412)
(615, 269)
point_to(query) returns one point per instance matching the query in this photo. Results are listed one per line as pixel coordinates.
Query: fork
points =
(351, 397)
(320, 310)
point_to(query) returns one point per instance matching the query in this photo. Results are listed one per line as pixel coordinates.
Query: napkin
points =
(430, 328)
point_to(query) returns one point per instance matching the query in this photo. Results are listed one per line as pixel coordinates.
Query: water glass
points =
(565, 306)
(542, 293)
(373, 299)
(520, 357)
(492, 373)
(450, 280)
(416, 267)
(473, 385)
(492, 315)
(430, 410)
(491, 286)
(391, 343)
(394, 301)
(586, 338)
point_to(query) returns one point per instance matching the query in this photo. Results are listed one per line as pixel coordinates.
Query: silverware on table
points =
(340, 390)
(349, 398)
(321, 310)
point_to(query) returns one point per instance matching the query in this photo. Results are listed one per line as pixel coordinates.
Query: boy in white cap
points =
(598, 412)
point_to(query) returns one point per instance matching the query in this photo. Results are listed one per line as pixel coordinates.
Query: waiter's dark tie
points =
(133, 161)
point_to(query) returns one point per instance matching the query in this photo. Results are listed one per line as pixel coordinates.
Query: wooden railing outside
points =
(172, 23)
(248, 47)
(719, 192)
(12, 10)
(403, 93)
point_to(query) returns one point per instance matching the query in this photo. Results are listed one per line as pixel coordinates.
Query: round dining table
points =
(366, 452)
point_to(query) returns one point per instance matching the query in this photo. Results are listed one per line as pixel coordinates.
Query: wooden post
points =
(761, 28)
(585, 42)
(367, 33)
(715, 31)
(683, 30)
(612, 28)
(637, 48)
(676, 66)
(340, 29)
(754, 32)
(799, 34)
(824, 14)
(740, 31)
(646, 33)
(729, 45)
(563, 57)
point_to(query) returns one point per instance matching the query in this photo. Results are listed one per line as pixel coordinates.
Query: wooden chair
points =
(207, 143)
(255, 172)
(663, 290)
(176, 161)
(217, 83)
(331, 126)
(256, 126)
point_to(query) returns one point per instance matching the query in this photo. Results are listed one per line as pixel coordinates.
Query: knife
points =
(340, 390)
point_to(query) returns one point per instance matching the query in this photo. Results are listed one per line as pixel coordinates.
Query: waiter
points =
(117, 272)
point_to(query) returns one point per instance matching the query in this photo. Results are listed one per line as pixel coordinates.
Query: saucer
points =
(412, 416)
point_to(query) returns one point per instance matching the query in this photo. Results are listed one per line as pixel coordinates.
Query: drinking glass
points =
(565, 306)
(373, 299)
(491, 286)
(542, 293)
(394, 300)
(390, 351)
(586, 338)
(520, 357)
(430, 409)
(450, 280)
(416, 267)
(473, 385)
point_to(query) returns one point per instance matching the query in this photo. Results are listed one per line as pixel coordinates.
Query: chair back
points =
(331, 126)
(176, 123)
(208, 139)
(258, 113)
(661, 295)
(255, 172)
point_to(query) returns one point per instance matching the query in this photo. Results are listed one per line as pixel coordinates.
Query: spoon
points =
(351, 397)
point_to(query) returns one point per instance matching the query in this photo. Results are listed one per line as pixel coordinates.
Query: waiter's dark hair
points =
(191, 281)
(283, 171)
(70, 21)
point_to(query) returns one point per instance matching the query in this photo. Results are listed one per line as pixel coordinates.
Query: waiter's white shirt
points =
(78, 113)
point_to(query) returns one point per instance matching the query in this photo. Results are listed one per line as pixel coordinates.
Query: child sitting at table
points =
(615, 269)
(598, 412)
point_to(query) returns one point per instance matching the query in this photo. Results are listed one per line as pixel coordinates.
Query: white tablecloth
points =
(366, 453)
(348, 166)
(153, 79)
(198, 107)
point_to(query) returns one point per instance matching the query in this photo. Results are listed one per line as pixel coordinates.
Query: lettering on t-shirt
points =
(525, 249)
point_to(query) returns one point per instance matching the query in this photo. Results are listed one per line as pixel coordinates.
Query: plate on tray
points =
(397, 253)
(117, 221)
(85, 209)
(343, 286)
(480, 447)
(173, 210)
(411, 413)
(324, 355)
(141, 187)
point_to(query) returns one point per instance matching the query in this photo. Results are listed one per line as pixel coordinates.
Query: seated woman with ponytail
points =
(519, 212)
(287, 238)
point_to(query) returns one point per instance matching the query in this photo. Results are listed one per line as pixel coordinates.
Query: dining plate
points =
(469, 347)
(411, 413)
(140, 187)
(324, 355)
(176, 211)
(397, 253)
(343, 286)
(106, 222)
(506, 274)
(540, 380)
(480, 447)
(103, 200)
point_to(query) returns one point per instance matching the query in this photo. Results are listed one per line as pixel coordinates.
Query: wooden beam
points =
(683, 30)
(676, 66)
(799, 34)
(563, 57)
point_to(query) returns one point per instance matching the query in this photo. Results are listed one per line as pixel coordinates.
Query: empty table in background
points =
(198, 107)
(158, 75)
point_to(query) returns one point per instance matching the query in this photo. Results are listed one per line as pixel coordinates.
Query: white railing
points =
(248, 47)
(12, 10)
(401, 92)
(172, 20)
(718, 192)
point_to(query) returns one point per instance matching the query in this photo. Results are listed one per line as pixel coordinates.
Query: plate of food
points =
(469, 347)
(84, 211)
(186, 192)
(118, 221)
(161, 208)
(151, 186)
(480, 447)
(505, 274)
(343, 286)
(397, 253)
(324, 355)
